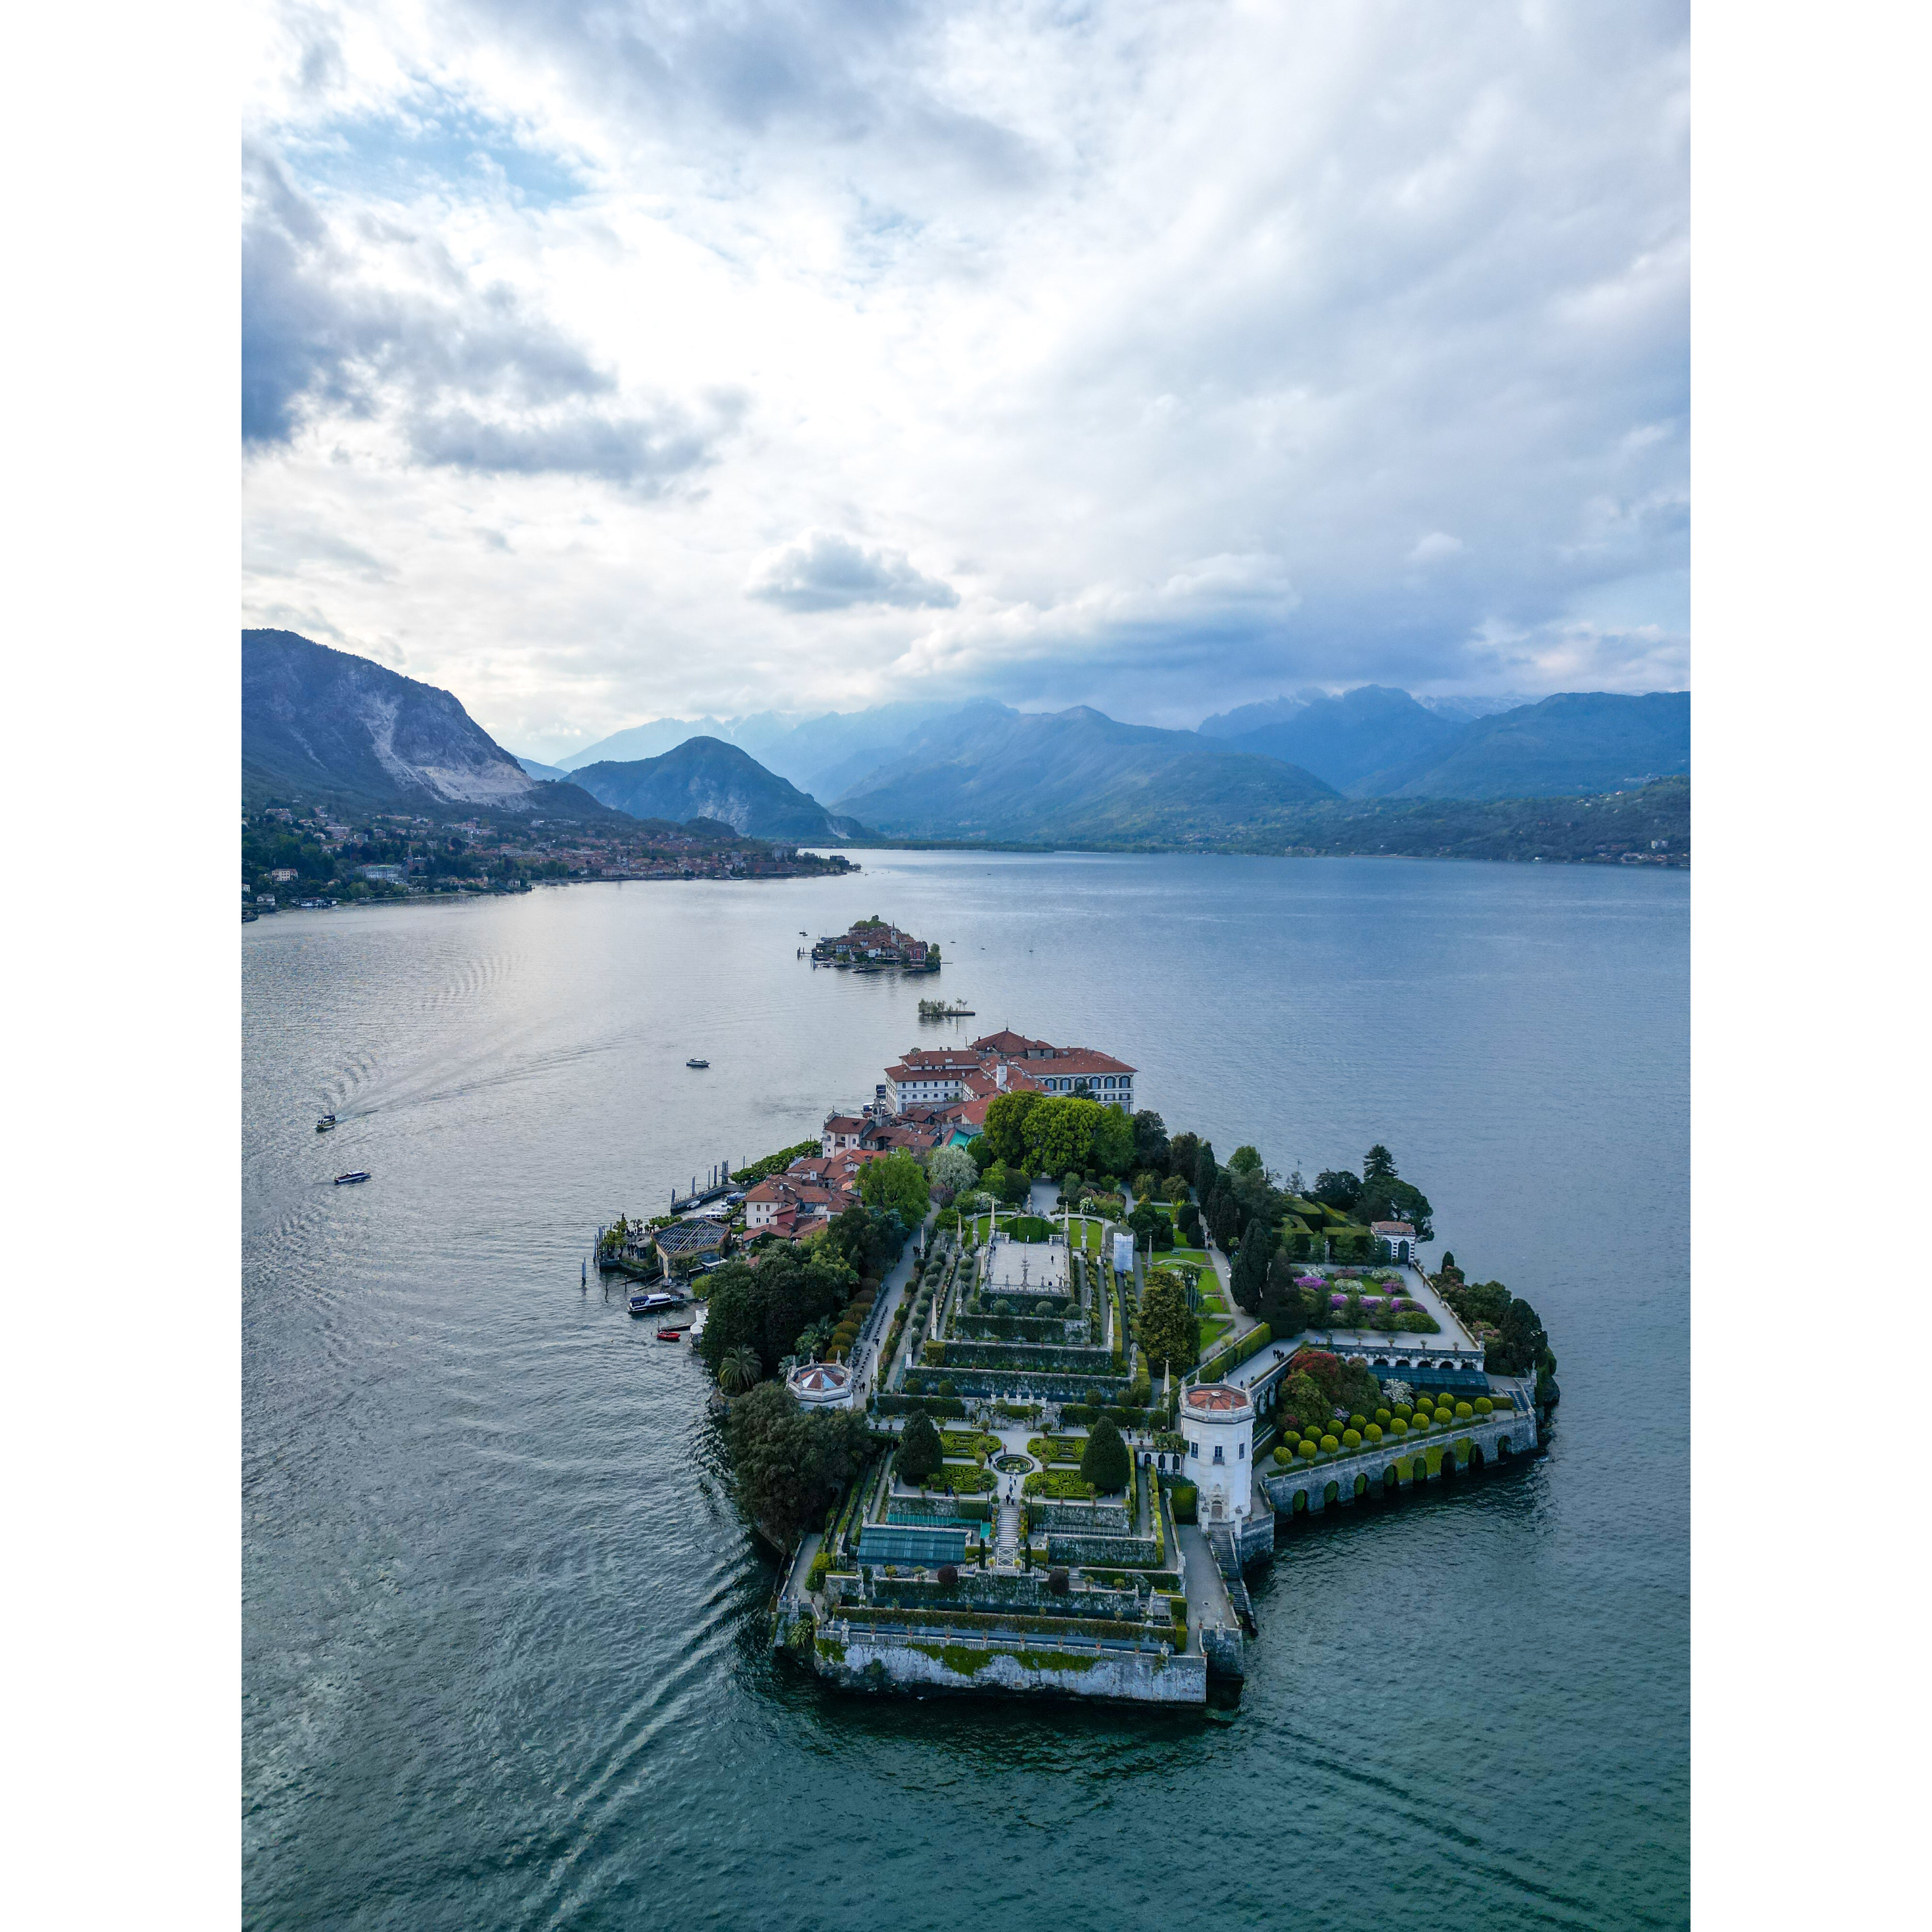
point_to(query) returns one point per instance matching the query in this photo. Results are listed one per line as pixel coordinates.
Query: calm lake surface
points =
(504, 1661)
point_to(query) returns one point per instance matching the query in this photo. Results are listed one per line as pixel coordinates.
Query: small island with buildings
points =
(1021, 1387)
(873, 944)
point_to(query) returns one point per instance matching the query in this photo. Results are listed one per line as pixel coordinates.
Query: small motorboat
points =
(670, 1334)
(654, 1301)
(323, 1126)
(697, 1063)
(349, 1180)
(639, 1304)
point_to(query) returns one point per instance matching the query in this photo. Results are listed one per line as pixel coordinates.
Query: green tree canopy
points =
(1377, 1164)
(1058, 1133)
(1250, 1278)
(1206, 1170)
(766, 1309)
(951, 1167)
(1105, 1462)
(1006, 1126)
(1244, 1160)
(920, 1451)
(1389, 1199)
(1165, 1327)
(1283, 1307)
(740, 1370)
(1150, 1142)
(1182, 1153)
(1336, 1187)
(1115, 1145)
(789, 1464)
(897, 1181)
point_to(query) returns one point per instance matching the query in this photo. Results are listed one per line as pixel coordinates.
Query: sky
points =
(609, 362)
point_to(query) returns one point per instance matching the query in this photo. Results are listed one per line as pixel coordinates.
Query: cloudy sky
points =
(607, 361)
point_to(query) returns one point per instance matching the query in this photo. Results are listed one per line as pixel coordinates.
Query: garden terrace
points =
(1308, 1486)
(997, 1593)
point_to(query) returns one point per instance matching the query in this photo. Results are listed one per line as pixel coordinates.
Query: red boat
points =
(670, 1334)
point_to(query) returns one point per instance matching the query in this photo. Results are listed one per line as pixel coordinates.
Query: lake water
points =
(504, 1659)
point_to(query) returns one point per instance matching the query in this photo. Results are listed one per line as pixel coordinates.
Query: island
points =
(872, 944)
(1021, 1387)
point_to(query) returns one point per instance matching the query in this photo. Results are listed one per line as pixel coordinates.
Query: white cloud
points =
(1099, 299)
(825, 572)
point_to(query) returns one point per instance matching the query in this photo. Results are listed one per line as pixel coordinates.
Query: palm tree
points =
(740, 1369)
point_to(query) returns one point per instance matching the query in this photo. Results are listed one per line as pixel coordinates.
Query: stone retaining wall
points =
(1413, 1458)
(862, 1660)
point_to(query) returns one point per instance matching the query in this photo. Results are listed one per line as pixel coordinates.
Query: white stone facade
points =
(1218, 1425)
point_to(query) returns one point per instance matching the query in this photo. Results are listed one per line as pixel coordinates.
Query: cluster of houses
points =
(875, 942)
(927, 1100)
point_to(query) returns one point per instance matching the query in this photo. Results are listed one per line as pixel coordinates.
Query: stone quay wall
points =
(858, 1659)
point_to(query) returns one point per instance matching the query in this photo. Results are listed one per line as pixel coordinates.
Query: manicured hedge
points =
(1185, 1497)
(1058, 1483)
(918, 1405)
(1235, 1354)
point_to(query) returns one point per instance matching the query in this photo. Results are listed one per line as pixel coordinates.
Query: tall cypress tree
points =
(1206, 1171)
(1250, 1272)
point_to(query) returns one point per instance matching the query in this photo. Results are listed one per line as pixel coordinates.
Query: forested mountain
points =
(705, 778)
(1345, 740)
(1577, 742)
(1071, 775)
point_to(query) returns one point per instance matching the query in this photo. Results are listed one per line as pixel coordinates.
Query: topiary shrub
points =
(1351, 1438)
(1384, 1416)
(949, 1577)
(1184, 1496)
(1358, 1422)
(920, 1452)
(1398, 1427)
(1105, 1462)
(1330, 1443)
(1058, 1581)
(1484, 1406)
(1373, 1432)
(821, 1566)
(1464, 1411)
(1305, 1450)
(1280, 1454)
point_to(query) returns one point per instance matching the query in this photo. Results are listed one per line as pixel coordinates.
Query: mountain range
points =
(987, 771)
(342, 731)
(326, 726)
(1374, 741)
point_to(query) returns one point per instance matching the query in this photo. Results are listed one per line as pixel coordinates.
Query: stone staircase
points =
(1227, 1560)
(1006, 1552)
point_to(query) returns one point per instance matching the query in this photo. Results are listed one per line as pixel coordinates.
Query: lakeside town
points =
(1023, 1386)
(311, 860)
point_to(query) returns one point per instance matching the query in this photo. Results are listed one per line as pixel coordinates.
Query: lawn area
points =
(1211, 1302)
(1197, 1256)
(1210, 1332)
